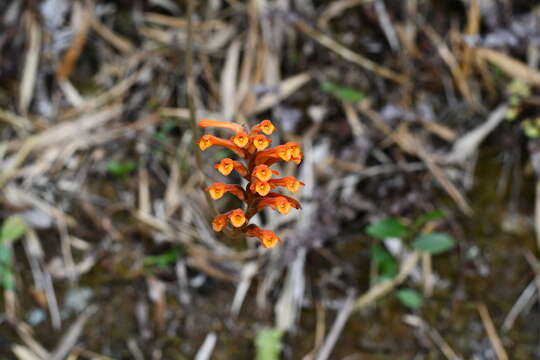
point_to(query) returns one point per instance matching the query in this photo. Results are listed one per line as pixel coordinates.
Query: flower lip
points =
(268, 238)
(267, 127)
(225, 166)
(241, 139)
(261, 187)
(216, 190)
(237, 218)
(261, 142)
(262, 172)
(219, 222)
(205, 142)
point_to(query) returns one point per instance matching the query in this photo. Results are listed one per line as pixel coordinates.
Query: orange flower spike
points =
(265, 126)
(221, 124)
(220, 222)
(237, 218)
(260, 187)
(261, 142)
(241, 139)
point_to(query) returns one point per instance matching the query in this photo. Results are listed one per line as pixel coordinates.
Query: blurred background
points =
(419, 121)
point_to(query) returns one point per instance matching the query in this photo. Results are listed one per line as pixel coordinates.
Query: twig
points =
(337, 327)
(191, 102)
(386, 286)
(350, 55)
(492, 333)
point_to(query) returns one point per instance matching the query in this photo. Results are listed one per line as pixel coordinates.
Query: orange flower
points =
(290, 182)
(221, 124)
(219, 222)
(268, 238)
(281, 203)
(261, 142)
(265, 126)
(208, 140)
(237, 218)
(217, 190)
(241, 139)
(226, 166)
(263, 172)
(260, 187)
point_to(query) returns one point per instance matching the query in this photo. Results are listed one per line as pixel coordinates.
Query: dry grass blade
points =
(492, 333)
(336, 8)
(510, 65)
(411, 144)
(119, 42)
(435, 336)
(228, 81)
(207, 348)
(350, 55)
(473, 26)
(468, 144)
(450, 60)
(333, 336)
(71, 336)
(24, 353)
(537, 213)
(286, 88)
(29, 73)
(387, 286)
(70, 58)
(288, 306)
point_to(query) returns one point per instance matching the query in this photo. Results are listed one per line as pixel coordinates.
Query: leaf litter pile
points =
(419, 233)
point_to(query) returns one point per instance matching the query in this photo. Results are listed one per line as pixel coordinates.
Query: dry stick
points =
(350, 55)
(492, 333)
(337, 327)
(387, 286)
(191, 102)
(410, 145)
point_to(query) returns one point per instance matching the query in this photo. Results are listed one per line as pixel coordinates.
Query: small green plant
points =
(343, 93)
(120, 169)
(386, 265)
(268, 344)
(164, 259)
(12, 229)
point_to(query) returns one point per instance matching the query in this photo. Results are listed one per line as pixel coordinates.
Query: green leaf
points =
(5, 256)
(120, 169)
(430, 216)
(268, 344)
(12, 229)
(163, 259)
(387, 264)
(8, 282)
(410, 298)
(434, 243)
(387, 228)
(343, 93)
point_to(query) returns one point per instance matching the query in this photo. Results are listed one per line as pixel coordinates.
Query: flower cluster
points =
(252, 148)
